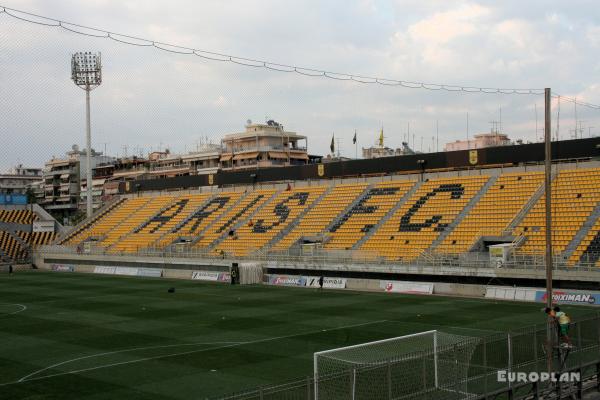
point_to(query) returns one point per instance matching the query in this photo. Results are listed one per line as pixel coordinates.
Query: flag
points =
(332, 145)
(381, 138)
(354, 139)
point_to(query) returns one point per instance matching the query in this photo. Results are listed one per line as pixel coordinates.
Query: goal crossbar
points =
(326, 353)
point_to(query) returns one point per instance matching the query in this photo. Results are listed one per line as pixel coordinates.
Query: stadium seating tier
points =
(397, 219)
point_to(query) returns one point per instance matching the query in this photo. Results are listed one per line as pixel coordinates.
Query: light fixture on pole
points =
(86, 72)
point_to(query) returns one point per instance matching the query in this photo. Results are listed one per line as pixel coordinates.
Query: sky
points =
(151, 99)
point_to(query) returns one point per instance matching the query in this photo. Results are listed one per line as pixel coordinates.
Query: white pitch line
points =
(22, 380)
(23, 308)
(117, 352)
(440, 327)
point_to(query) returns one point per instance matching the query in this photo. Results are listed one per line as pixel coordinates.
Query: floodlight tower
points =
(86, 72)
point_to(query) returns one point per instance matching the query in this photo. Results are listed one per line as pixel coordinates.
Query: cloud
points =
(151, 96)
(593, 35)
(220, 101)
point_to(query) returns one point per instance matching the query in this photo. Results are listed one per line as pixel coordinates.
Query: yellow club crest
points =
(473, 157)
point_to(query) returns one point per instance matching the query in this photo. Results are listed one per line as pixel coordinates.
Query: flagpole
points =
(355, 146)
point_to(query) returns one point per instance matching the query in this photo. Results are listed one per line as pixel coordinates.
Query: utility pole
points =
(437, 135)
(548, 198)
(536, 122)
(468, 144)
(575, 105)
(500, 124)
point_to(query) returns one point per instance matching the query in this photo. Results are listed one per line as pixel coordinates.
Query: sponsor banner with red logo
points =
(213, 276)
(224, 277)
(406, 287)
(328, 282)
(569, 297)
(287, 280)
(206, 275)
(63, 267)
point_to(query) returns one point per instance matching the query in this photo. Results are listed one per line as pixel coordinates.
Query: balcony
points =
(241, 149)
(61, 171)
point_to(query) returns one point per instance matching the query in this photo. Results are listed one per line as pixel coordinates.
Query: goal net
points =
(404, 367)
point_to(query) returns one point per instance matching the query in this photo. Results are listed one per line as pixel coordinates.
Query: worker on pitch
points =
(562, 321)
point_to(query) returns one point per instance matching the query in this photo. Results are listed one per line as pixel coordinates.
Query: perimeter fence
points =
(494, 365)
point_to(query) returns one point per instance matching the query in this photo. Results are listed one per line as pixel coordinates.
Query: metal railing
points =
(471, 369)
(589, 374)
(321, 257)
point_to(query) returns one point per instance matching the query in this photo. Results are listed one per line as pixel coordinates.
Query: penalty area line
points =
(23, 308)
(26, 379)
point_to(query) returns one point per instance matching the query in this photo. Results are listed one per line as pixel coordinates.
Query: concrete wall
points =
(457, 289)
(18, 267)
(177, 274)
(377, 285)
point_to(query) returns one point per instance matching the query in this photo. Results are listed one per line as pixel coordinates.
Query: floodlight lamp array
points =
(86, 69)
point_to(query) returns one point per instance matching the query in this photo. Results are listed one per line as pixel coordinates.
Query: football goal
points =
(403, 367)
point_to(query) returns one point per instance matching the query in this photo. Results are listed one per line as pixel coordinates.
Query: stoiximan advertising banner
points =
(569, 297)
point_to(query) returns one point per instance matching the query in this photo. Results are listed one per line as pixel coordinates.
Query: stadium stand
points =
(73, 237)
(494, 211)
(399, 219)
(270, 220)
(108, 221)
(316, 221)
(17, 216)
(421, 219)
(575, 194)
(115, 238)
(154, 226)
(186, 225)
(588, 251)
(37, 238)
(17, 235)
(226, 224)
(360, 219)
(11, 247)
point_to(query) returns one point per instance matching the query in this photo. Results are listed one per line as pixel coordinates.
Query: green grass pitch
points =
(80, 336)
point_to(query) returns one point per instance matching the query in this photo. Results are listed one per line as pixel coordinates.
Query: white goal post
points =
(392, 368)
